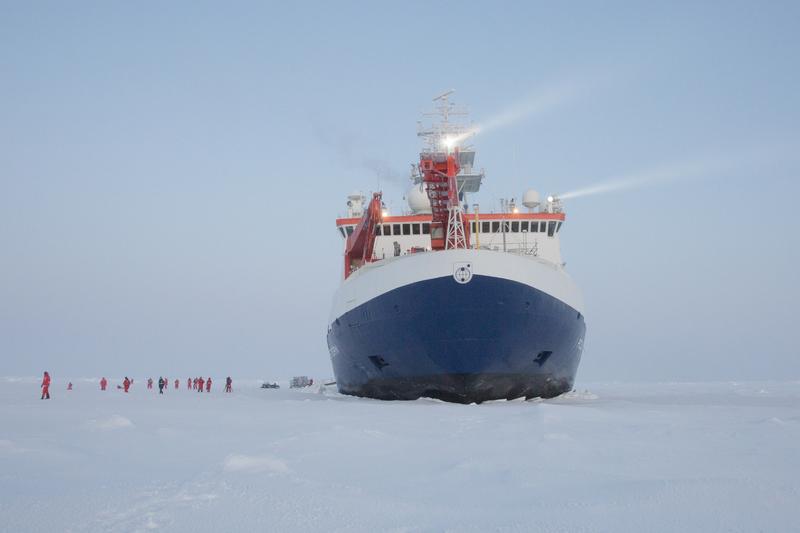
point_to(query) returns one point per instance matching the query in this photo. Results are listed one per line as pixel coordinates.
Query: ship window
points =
(484, 227)
(515, 227)
(396, 229)
(542, 227)
(558, 228)
(387, 229)
(534, 227)
(415, 229)
(378, 229)
(426, 228)
(349, 230)
(495, 227)
(406, 229)
(523, 226)
(472, 226)
(341, 230)
(551, 228)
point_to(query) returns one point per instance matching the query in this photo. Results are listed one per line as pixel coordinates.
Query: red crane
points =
(439, 175)
(361, 243)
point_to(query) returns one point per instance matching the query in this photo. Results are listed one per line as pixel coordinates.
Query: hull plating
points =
(490, 338)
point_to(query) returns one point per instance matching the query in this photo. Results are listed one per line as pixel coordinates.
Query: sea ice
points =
(614, 457)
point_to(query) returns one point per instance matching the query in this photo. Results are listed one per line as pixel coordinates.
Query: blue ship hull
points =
(489, 339)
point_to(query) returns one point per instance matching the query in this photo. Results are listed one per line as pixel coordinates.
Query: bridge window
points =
(484, 227)
(406, 229)
(542, 226)
(523, 225)
(415, 229)
(341, 230)
(387, 229)
(349, 230)
(558, 228)
(377, 229)
(396, 229)
(515, 227)
(472, 226)
(495, 227)
(426, 228)
(534, 227)
(551, 228)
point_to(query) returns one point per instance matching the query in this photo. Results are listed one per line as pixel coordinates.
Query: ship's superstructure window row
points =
(515, 226)
(486, 226)
(388, 230)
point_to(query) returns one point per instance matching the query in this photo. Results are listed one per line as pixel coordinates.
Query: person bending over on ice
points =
(126, 384)
(46, 386)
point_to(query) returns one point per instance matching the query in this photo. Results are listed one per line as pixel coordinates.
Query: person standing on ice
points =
(177, 384)
(103, 383)
(200, 383)
(161, 385)
(189, 383)
(126, 384)
(46, 386)
(149, 383)
(208, 385)
(228, 384)
(69, 386)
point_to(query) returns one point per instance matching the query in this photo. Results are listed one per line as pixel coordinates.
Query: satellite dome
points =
(530, 199)
(418, 200)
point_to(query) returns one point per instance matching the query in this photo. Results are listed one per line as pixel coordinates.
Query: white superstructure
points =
(534, 233)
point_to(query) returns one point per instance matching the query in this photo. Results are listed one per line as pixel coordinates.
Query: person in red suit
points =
(126, 384)
(46, 386)
(103, 383)
(189, 383)
(69, 386)
(177, 384)
(208, 385)
(200, 382)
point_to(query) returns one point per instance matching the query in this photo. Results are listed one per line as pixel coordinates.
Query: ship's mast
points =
(447, 130)
(444, 134)
(439, 164)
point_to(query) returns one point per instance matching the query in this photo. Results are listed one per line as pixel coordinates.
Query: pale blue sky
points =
(170, 172)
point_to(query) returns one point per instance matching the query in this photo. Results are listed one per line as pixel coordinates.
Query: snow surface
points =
(623, 457)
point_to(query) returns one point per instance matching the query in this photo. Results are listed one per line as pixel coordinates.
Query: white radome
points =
(530, 199)
(418, 200)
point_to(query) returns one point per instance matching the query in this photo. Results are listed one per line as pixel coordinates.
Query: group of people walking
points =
(163, 384)
(197, 384)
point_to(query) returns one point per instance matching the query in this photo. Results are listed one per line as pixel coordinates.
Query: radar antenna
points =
(444, 135)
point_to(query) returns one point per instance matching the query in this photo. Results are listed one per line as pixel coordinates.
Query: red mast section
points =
(361, 243)
(439, 171)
